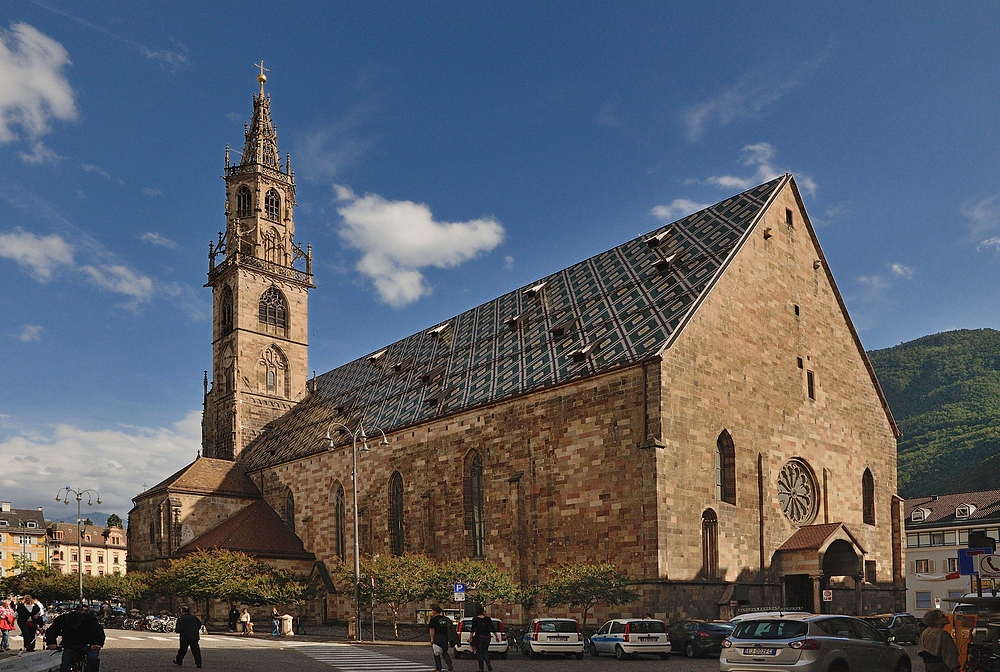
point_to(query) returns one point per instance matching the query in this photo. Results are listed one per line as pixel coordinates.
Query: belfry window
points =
(273, 373)
(868, 497)
(474, 505)
(244, 202)
(725, 468)
(339, 521)
(710, 544)
(396, 537)
(273, 250)
(272, 311)
(272, 205)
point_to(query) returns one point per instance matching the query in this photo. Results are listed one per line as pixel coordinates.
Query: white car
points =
(560, 636)
(498, 641)
(629, 637)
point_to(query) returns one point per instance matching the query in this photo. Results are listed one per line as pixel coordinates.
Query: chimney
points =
(4, 507)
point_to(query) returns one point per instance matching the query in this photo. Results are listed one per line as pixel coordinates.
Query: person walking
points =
(80, 630)
(438, 628)
(189, 630)
(275, 622)
(482, 635)
(245, 622)
(234, 617)
(937, 648)
(8, 619)
(29, 614)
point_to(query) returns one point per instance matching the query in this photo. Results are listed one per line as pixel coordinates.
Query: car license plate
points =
(759, 652)
(649, 639)
(559, 638)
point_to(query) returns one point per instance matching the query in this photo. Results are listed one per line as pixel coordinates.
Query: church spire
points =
(261, 134)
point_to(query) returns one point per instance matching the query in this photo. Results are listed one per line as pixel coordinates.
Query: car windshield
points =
(719, 627)
(645, 626)
(557, 626)
(877, 621)
(770, 629)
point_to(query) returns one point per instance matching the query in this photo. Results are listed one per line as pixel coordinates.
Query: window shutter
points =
(931, 566)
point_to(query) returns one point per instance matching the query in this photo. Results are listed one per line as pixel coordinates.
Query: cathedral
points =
(694, 406)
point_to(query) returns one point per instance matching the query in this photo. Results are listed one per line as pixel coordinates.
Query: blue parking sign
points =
(459, 587)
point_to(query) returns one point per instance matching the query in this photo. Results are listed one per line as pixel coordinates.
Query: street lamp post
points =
(357, 435)
(64, 497)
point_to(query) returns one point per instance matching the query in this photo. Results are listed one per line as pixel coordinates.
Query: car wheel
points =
(664, 656)
(579, 656)
(690, 650)
(839, 666)
(526, 649)
(620, 652)
(593, 649)
(904, 665)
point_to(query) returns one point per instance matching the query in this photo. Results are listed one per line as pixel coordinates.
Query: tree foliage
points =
(230, 576)
(585, 585)
(114, 520)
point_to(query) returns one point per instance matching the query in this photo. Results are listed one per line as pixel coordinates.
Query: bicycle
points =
(80, 662)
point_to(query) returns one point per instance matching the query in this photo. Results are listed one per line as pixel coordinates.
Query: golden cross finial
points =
(261, 77)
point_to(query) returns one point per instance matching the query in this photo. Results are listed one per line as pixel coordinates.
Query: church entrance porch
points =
(810, 558)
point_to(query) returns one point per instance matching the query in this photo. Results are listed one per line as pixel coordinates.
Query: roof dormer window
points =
(964, 510)
(31, 524)
(918, 515)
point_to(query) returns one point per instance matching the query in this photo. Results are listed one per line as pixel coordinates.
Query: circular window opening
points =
(797, 492)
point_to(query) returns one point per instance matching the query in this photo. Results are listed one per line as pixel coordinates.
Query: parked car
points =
(810, 643)
(498, 642)
(553, 635)
(903, 627)
(629, 637)
(696, 637)
(739, 618)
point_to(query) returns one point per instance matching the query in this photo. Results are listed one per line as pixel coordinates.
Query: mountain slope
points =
(944, 392)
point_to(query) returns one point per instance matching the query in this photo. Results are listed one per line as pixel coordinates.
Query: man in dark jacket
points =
(29, 618)
(189, 629)
(79, 630)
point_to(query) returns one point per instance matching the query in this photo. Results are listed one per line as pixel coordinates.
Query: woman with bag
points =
(7, 621)
(29, 615)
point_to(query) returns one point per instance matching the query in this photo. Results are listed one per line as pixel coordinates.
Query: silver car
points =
(810, 643)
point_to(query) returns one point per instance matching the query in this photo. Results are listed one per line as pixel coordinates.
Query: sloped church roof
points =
(615, 309)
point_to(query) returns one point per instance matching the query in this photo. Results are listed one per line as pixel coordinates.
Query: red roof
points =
(207, 476)
(812, 537)
(257, 531)
(942, 507)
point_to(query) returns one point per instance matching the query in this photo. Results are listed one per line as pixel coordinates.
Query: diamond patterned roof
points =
(614, 309)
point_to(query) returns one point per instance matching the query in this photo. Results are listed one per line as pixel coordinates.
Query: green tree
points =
(88, 521)
(585, 585)
(43, 584)
(485, 582)
(397, 580)
(114, 520)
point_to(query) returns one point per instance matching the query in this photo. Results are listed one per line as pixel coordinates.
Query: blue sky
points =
(446, 153)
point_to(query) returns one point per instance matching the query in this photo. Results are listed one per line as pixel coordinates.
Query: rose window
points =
(797, 492)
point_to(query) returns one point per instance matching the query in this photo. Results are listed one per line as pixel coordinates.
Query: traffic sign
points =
(828, 596)
(968, 560)
(458, 597)
(459, 587)
(989, 565)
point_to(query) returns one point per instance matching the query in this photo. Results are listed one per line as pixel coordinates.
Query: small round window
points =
(797, 492)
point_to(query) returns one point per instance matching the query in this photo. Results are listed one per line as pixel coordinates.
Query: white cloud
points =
(91, 168)
(151, 191)
(985, 215)
(993, 242)
(679, 207)
(749, 96)
(901, 270)
(40, 256)
(115, 462)
(759, 156)
(30, 332)
(33, 89)
(398, 238)
(171, 59)
(156, 239)
(508, 262)
(121, 280)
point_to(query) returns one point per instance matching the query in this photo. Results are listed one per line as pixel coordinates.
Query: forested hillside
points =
(944, 392)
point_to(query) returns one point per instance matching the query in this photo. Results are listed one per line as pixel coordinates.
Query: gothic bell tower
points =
(259, 295)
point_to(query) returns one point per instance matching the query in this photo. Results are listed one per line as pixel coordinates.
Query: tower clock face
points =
(227, 359)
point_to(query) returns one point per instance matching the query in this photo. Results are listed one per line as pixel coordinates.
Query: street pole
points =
(358, 433)
(78, 494)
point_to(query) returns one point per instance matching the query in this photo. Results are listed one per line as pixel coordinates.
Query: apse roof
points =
(617, 308)
(256, 530)
(206, 476)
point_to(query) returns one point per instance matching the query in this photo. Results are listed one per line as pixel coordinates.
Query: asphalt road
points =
(128, 651)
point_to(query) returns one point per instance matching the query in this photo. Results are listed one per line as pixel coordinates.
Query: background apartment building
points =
(104, 549)
(22, 535)
(938, 526)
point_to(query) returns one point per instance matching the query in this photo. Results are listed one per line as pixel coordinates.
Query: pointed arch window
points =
(868, 497)
(272, 373)
(274, 251)
(226, 312)
(396, 537)
(474, 504)
(272, 205)
(710, 544)
(244, 202)
(272, 311)
(339, 521)
(725, 468)
(226, 376)
(289, 506)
